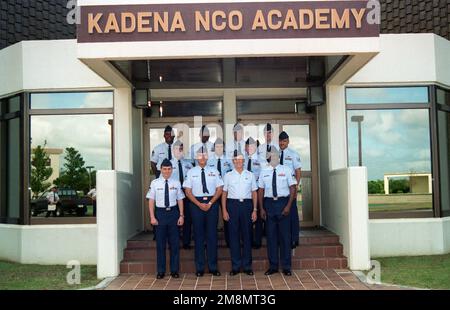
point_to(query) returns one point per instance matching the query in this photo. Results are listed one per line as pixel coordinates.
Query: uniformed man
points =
(264, 148)
(162, 151)
(277, 191)
(204, 142)
(181, 166)
(224, 165)
(166, 211)
(253, 163)
(291, 158)
(203, 187)
(238, 143)
(53, 200)
(239, 207)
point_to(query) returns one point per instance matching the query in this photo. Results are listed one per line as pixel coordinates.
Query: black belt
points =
(166, 209)
(203, 198)
(240, 200)
(276, 198)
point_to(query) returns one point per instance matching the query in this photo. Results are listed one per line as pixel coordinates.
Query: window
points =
(387, 95)
(443, 120)
(66, 151)
(394, 144)
(80, 100)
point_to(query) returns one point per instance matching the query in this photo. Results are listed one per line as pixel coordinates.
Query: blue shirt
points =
(240, 185)
(157, 192)
(262, 151)
(256, 164)
(291, 158)
(225, 163)
(159, 153)
(284, 181)
(186, 166)
(194, 148)
(194, 181)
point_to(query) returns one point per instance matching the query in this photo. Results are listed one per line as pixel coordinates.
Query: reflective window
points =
(442, 96)
(67, 150)
(395, 148)
(387, 95)
(71, 100)
(265, 106)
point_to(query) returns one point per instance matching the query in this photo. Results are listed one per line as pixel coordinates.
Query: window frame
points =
(432, 119)
(27, 156)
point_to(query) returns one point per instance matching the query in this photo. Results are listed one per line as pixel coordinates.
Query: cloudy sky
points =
(89, 134)
(393, 141)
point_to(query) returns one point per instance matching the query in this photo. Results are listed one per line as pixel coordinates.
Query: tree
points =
(40, 171)
(376, 187)
(74, 174)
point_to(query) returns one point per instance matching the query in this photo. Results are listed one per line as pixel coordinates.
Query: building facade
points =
(358, 104)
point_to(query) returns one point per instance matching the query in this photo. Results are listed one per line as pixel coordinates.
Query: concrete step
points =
(224, 265)
(303, 251)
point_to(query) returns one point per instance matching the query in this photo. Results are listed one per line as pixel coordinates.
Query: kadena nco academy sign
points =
(214, 21)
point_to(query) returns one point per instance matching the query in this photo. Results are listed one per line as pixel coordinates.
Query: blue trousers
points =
(240, 228)
(187, 227)
(167, 231)
(258, 231)
(278, 230)
(205, 231)
(295, 223)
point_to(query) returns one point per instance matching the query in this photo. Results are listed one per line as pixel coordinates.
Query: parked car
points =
(69, 203)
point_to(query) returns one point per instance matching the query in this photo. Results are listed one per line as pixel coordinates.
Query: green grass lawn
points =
(431, 272)
(38, 277)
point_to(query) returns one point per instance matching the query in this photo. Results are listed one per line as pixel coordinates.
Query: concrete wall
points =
(119, 217)
(349, 213)
(408, 237)
(45, 65)
(49, 244)
(442, 52)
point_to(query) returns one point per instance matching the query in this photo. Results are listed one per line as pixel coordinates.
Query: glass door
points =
(303, 139)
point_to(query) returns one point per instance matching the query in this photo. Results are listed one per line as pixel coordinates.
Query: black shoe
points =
(160, 275)
(294, 245)
(199, 273)
(234, 272)
(175, 275)
(215, 273)
(270, 271)
(257, 246)
(287, 272)
(186, 246)
(249, 272)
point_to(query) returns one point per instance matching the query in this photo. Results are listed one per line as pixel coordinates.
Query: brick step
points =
(310, 240)
(224, 265)
(149, 253)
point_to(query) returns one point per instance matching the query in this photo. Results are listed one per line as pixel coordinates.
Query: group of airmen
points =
(254, 186)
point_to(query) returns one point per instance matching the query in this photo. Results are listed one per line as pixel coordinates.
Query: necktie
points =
(180, 172)
(219, 167)
(205, 188)
(249, 164)
(166, 195)
(282, 157)
(54, 197)
(274, 183)
(170, 153)
(268, 148)
(239, 147)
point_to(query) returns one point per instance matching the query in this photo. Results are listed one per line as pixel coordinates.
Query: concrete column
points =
(337, 127)
(229, 113)
(123, 147)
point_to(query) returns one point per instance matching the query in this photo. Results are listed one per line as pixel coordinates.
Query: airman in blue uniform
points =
(219, 161)
(181, 166)
(239, 207)
(277, 191)
(254, 164)
(291, 158)
(204, 142)
(162, 151)
(203, 187)
(166, 212)
(264, 148)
